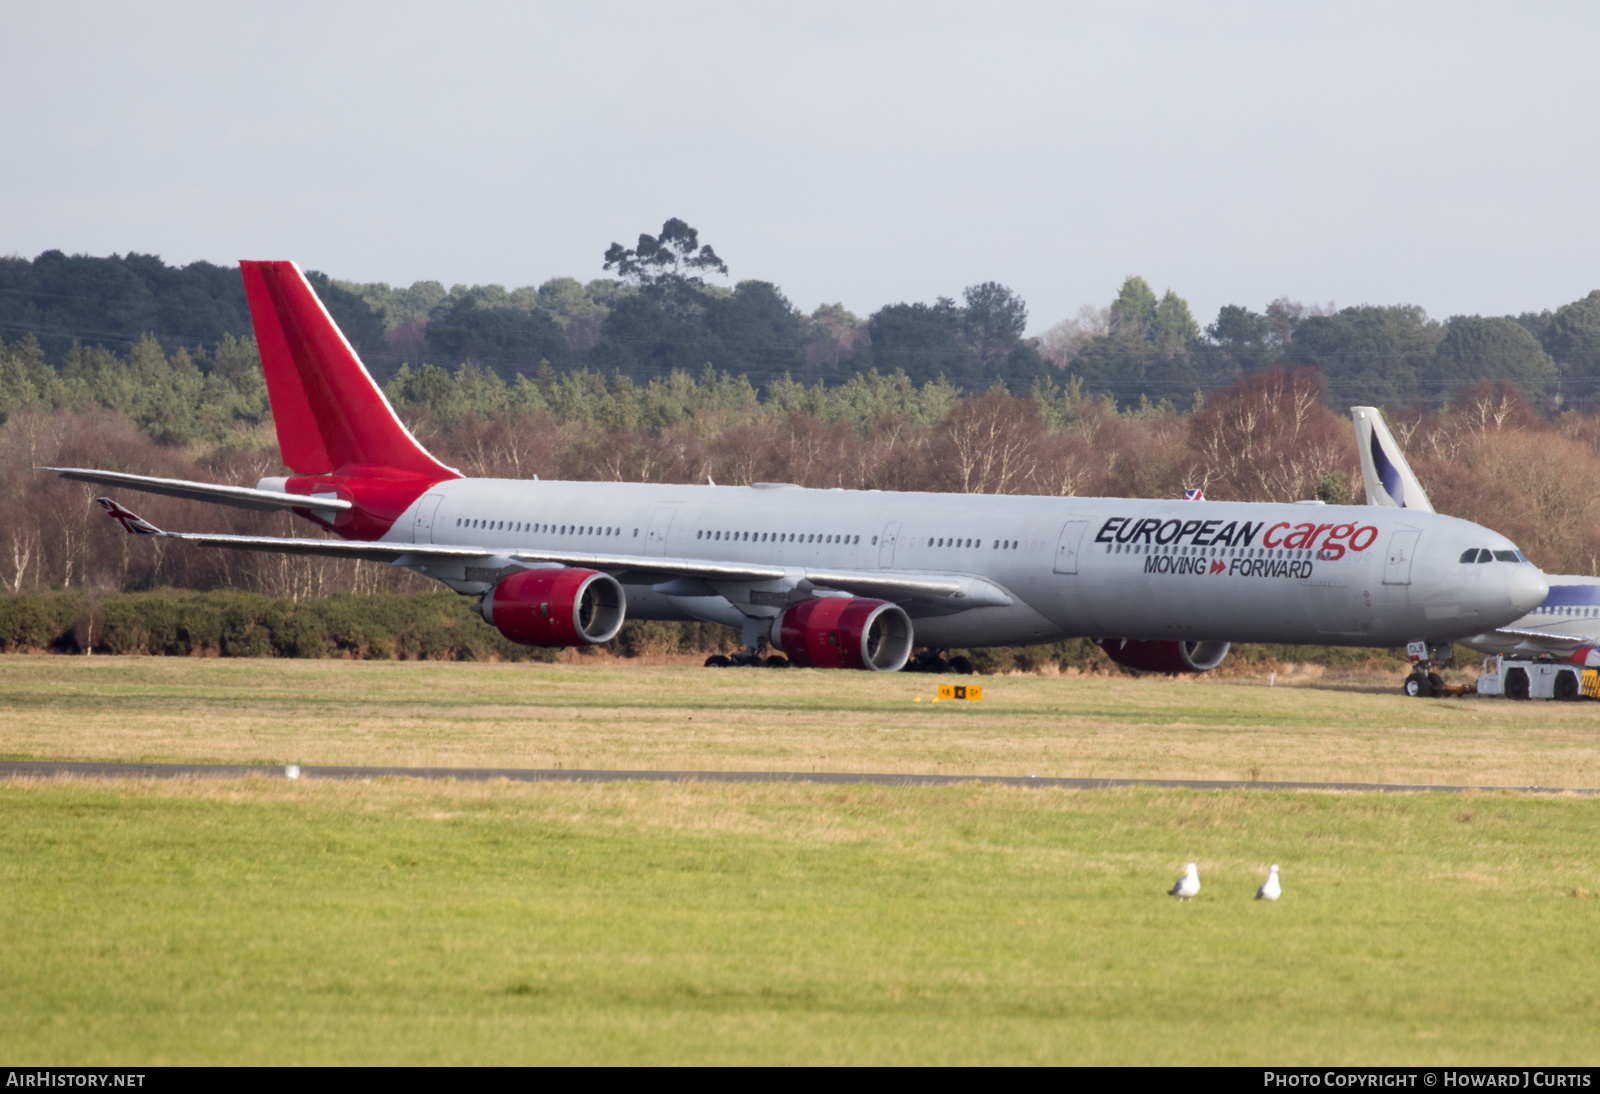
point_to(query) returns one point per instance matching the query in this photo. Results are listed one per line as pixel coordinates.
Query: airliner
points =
(1565, 624)
(831, 578)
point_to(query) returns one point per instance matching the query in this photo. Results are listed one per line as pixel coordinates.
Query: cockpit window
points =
(1481, 554)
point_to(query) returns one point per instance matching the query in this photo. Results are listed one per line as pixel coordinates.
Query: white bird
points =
(1270, 889)
(1187, 885)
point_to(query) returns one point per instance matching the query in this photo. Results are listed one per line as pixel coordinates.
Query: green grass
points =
(200, 922)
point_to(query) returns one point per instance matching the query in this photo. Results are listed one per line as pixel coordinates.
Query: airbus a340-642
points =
(834, 578)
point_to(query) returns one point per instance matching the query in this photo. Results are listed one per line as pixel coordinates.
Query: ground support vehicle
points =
(1516, 678)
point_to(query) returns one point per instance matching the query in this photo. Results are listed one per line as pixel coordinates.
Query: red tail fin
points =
(329, 412)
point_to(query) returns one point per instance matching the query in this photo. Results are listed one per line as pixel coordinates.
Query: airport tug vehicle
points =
(1516, 678)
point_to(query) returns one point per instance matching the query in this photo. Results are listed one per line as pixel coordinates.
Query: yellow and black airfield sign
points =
(974, 692)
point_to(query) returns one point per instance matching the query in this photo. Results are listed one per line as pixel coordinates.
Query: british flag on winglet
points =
(1194, 495)
(132, 522)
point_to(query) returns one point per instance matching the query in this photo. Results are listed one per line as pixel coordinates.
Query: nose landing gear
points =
(1424, 685)
(1424, 682)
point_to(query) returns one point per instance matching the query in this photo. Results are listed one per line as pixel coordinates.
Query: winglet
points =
(131, 522)
(1389, 479)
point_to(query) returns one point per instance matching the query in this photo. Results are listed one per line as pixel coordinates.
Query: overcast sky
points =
(1446, 155)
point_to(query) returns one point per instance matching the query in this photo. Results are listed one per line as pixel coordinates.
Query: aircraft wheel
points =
(960, 666)
(1516, 685)
(1417, 686)
(1436, 685)
(776, 662)
(1566, 687)
(717, 661)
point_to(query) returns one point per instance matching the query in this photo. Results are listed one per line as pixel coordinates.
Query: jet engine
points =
(836, 632)
(1171, 657)
(568, 607)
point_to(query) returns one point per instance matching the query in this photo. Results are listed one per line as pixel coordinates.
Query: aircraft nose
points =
(1527, 589)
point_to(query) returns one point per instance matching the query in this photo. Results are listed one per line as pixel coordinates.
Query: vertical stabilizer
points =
(328, 411)
(1388, 477)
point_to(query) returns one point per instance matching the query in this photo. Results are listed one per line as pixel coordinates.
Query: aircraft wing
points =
(955, 592)
(1562, 640)
(243, 497)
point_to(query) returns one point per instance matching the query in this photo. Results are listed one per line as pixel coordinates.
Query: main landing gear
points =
(933, 660)
(747, 659)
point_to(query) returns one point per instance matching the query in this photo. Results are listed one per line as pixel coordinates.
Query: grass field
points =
(405, 921)
(623, 717)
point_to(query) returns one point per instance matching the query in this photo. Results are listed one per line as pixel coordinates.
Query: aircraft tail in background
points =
(1389, 479)
(329, 412)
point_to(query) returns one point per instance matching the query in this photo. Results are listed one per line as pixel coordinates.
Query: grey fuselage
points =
(1095, 567)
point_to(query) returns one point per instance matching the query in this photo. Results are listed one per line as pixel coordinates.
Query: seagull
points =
(1187, 885)
(1270, 890)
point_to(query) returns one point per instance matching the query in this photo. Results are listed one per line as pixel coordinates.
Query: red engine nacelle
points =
(836, 632)
(556, 607)
(1172, 657)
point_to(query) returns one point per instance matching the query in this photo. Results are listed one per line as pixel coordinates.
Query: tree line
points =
(1486, 456)
(658, 316)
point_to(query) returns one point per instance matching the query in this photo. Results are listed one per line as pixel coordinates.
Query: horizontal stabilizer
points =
(243, 497)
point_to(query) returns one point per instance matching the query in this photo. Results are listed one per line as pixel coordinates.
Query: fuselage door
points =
(422, 527)
(656, 538)
(891, 532)
(1068, 545)
(1402, 546)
